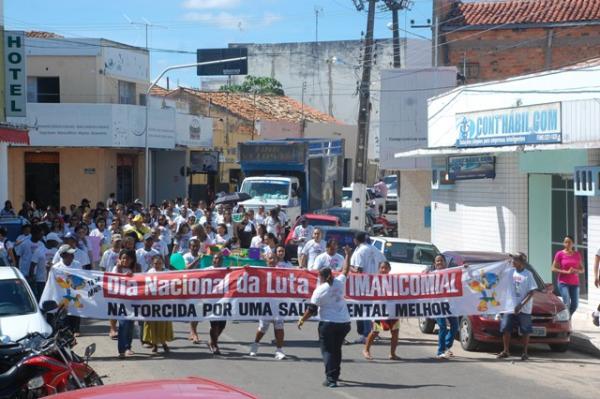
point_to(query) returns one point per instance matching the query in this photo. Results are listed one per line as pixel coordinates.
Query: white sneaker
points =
(442, 356)
(449, 353)
(253, 349)
(279, 355)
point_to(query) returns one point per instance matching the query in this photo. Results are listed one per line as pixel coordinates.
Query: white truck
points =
(273, 191)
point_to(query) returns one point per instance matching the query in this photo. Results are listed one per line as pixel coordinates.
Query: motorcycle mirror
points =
(48, 306)
(90, 350)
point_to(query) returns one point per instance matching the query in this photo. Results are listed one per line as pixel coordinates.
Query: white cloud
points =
(210, 4)
(223, 20)
(226, 20)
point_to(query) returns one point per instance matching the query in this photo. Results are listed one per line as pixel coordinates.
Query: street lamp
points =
(146, 149)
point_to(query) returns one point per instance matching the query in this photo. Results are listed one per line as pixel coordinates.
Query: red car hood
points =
(190, 387)
(545, 302)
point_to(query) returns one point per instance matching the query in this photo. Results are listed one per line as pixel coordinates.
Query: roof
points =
(43, 35)
(401, 240)
(519, 12)
(159, 91)
(260, 107)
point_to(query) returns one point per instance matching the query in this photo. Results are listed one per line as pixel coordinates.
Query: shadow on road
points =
(382, 385)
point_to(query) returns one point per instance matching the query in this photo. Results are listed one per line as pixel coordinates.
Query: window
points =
(43, 89)
(142, 99)
(126, 92)
(469, 70)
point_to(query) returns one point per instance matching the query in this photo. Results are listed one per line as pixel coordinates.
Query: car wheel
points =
(559, 347)
(426, 325)
(467, 341)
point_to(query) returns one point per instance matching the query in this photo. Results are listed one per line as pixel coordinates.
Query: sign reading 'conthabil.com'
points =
(536, 124)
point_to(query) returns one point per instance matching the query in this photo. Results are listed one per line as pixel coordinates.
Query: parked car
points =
(405, 255)
(190, 387)
(372, 227)
(551, 323)
(19, 311)
(347, 197)
(315, 220)
(343, 235)
(391, 202)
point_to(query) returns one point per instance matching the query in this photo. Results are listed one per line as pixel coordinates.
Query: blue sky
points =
(186, 25)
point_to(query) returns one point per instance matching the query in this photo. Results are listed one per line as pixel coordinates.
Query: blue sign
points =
(472, 167)
(537, 124)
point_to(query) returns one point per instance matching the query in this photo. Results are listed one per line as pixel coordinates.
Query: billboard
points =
(224, 68)
(472, 167)
(403, 112)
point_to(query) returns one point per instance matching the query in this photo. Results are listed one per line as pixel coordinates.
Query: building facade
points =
(515, 167)
(86, 116)
(325, 74)
(489, 40)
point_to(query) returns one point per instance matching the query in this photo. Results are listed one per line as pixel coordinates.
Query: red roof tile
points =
(43, 35)
(523, 12)
(159, 91)
(262, 107)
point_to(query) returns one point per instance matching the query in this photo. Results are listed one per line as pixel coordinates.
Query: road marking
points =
(344, 394)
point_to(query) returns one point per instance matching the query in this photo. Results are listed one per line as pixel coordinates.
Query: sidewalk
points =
(586, 336)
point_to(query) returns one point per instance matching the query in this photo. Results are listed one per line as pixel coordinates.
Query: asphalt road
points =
(418, 375)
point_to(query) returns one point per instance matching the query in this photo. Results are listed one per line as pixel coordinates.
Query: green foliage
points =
(256, 85)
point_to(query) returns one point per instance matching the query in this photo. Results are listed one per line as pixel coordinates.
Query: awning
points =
(433, 151)
(13, 135)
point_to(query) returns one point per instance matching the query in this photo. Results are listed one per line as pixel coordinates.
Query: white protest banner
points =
(250, 293)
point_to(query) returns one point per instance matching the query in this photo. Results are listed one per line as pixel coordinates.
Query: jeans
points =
(39, 289)
(570, 296)
(125, 335)
(331, 339)
(445, 335)
(363, 327)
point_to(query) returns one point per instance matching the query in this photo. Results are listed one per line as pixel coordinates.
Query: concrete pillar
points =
(415, 196)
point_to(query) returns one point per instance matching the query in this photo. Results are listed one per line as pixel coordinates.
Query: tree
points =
(256, 85)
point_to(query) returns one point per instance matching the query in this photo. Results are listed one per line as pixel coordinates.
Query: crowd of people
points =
(133, 238)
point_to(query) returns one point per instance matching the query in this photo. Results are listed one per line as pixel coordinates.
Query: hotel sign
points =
(536, 124)
(15, 73)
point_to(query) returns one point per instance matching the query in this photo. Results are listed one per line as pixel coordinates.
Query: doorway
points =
(569, 217)
(42, 179)
(125, 177)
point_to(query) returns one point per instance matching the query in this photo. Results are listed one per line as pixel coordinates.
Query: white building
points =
(86, 116)
(515, 167)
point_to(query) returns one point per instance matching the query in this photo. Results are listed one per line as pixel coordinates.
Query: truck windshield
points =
(266, 189)
(346, 194)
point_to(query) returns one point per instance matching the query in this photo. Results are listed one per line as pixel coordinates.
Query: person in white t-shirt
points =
(312, 249)
(263, 324)
(302, 234)
(192, 261)
(281, 262)
(81, 256)
(66, 255)
(365, 259)
(39, 270)
(329, 303)
(330, 258)
(145, 254)
(110, 257)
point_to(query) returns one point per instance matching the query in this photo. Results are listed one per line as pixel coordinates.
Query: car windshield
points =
(391, 179)
(266, 189)
(346, 194)
(15, 299)
(404, 252)
(343, 238)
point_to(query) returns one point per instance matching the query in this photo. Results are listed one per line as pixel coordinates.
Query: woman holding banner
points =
(126, 265)
(158, 332)
(328, 301)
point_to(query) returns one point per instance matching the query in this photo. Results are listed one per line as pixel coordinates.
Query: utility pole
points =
(359, 190)
(330, 62)
(435, 28)
(395, 6)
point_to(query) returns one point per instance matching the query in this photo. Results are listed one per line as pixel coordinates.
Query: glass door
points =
(569, 217)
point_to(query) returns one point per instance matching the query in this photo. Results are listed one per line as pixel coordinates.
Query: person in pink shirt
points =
(568, 264)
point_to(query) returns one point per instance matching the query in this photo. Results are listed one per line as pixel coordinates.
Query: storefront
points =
(504, 161)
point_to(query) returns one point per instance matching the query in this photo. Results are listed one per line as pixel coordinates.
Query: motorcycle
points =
(47, 366)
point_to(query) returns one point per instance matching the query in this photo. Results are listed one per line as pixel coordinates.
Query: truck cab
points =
(273, 191)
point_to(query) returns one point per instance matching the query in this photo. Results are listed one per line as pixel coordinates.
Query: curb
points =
(583, 343)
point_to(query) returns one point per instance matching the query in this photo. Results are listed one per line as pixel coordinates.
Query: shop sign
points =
(472, 167)
(204, 161)
(537, 124)
(15, 74)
